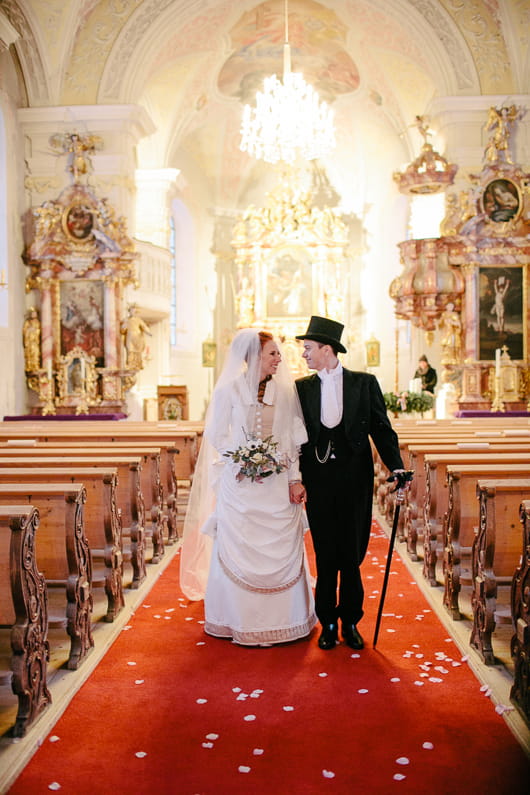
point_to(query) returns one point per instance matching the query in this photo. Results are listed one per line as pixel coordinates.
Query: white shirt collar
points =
(322, 374)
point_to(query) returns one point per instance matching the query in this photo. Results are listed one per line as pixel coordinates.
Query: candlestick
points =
(498, 363)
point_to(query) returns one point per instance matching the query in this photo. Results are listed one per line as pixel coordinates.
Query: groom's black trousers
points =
(336, 507)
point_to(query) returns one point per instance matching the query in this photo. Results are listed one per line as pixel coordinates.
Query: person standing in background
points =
(428, 376)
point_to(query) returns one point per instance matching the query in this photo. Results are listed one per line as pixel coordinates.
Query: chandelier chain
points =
(288, 121)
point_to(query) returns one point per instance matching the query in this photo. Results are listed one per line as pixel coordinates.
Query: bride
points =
(243, 547)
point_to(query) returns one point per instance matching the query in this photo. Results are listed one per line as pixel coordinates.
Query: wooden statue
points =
(31, 337)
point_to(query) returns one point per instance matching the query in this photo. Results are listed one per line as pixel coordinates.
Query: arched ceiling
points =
(191, 63)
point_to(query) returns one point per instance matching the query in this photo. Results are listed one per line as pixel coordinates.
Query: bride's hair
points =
(264, 337)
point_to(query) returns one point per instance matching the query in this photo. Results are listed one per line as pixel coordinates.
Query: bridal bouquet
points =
(259, 458)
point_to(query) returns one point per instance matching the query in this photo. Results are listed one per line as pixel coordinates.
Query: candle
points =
(83, 372)
(498, 363)
(49, 370)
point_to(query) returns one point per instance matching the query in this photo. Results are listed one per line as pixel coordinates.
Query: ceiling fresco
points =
(192, 64)
(317, 41)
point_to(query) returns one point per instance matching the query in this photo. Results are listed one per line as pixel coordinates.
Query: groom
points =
(342, 410)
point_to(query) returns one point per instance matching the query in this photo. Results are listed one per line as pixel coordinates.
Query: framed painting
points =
(373, 353)
(501, 200)
(81, 317)
(501, 312)
(78, 221)
(173, 402)
(289, 285)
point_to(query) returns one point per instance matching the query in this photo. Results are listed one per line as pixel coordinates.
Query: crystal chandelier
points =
(289, 120)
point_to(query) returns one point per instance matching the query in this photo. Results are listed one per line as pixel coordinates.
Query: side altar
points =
(82, 348)
(472, 284)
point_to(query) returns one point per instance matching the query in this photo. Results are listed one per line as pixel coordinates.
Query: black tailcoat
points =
(343, 488)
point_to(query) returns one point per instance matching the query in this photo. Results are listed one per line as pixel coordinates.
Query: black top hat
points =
(322, 329)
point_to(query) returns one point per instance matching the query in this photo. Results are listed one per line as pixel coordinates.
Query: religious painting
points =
(78, 221)
(501, 312)
(76, 379)
(209, 353)
(81, 315)
(289, 283)
(173, 403)
(373, 353)
(500, 200)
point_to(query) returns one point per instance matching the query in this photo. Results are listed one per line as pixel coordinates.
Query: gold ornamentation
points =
(77, 379)
(32, 342)
(450, 325)
(429, 172)
(499, 125)
(79, 149)
(290, 259)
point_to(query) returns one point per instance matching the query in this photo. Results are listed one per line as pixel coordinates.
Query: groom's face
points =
(314, 354)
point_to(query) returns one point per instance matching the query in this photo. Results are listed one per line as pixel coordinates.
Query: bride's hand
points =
(297, 492)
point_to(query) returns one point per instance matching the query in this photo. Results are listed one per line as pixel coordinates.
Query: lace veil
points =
(226, 425)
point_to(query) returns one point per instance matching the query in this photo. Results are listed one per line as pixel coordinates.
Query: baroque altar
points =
(474, 280)
(291, 262)
(80, 260)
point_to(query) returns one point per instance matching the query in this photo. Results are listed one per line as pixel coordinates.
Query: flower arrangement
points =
(259, 458)
(408, 402)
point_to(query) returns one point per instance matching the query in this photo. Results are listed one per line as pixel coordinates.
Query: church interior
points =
(148, 212)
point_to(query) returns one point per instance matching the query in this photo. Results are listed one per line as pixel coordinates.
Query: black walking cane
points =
(402, 477)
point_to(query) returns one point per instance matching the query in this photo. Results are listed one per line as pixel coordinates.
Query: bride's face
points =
(270, 359)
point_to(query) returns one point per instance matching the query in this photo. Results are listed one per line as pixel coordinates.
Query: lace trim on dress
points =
(254, 588)
(266, 636)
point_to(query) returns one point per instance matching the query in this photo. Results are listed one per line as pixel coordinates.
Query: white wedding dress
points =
(258, 590)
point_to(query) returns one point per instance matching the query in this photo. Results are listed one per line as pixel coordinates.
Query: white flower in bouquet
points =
(259, 458)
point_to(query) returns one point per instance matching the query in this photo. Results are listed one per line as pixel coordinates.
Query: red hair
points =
(264, 337)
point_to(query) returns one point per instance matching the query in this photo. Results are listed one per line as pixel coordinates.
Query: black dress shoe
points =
(352, 637)
(328, 636)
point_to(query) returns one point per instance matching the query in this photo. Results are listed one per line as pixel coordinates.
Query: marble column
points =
(46, 323)
(112, 332)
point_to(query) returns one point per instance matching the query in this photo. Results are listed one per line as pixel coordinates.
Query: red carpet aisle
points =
(170, 710)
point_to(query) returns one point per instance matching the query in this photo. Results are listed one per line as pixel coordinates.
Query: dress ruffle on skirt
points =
(259, 589)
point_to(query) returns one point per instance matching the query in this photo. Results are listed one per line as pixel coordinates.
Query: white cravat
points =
(331, 398)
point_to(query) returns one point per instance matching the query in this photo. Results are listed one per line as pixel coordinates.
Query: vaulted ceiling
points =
(192, 63)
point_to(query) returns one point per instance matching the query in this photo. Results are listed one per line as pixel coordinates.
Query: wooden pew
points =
(186, 441)
(436, 493)
(159, 481)
(150, 488)
(520, 608)
(63, 556)
(102, 521)
(496, 553)
(412, 450)
(129, 493)
(462, 518)
(24, 609)
(413, 507)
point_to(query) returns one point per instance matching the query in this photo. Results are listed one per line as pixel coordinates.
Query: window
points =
(173, 282)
